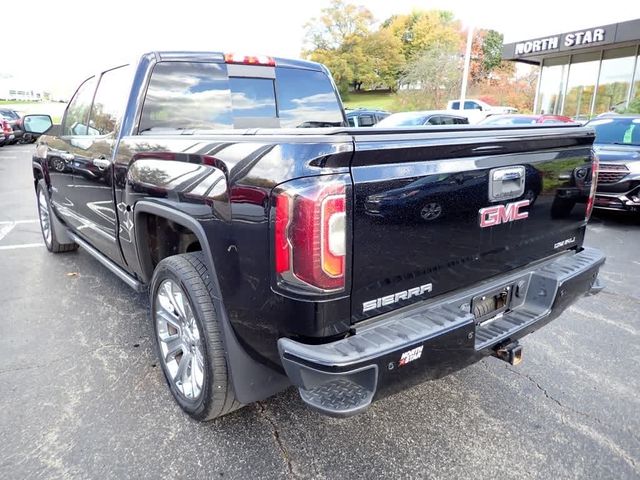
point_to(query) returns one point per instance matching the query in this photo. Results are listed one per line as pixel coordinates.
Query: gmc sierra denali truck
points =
(279, 246)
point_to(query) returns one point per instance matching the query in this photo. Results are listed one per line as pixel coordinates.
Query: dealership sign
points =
(565, 41)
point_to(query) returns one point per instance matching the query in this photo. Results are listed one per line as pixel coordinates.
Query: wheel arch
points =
(252, 380)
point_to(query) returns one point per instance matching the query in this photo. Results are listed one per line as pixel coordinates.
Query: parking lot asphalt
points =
(81, 394)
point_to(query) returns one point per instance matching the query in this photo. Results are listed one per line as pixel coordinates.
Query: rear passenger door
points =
(93, 173)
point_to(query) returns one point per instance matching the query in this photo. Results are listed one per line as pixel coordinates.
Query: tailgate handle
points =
(508, 176)
(506, 183)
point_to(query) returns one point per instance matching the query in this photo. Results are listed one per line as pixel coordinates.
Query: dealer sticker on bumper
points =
(410, 356)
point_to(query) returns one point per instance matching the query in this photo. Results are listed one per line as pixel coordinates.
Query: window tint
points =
(252, 97)
(187, 95)
(201, 96)
(306, 98)
(461, 121)
(455, 105)
(434, 121)
(77, 116)
(351, 121)
(624, 131)
(109, 102)
(472, 106)
(447, 121)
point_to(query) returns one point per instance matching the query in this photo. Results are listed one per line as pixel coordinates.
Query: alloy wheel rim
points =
(45, 221)
(180, 341)
(431, 211)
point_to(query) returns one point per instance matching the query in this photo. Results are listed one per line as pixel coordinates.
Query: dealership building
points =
(585, 72)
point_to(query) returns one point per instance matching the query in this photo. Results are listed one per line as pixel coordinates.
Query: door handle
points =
(101, 163)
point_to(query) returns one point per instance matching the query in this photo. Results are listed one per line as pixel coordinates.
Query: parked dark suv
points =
(365, 118)
(618, 147)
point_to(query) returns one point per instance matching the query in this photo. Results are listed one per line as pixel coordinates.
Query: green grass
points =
(375, 100)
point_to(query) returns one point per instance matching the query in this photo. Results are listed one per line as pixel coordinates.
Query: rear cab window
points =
(213, 96)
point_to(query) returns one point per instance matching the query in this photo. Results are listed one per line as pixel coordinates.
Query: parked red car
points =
(522, 119)
(6, 132)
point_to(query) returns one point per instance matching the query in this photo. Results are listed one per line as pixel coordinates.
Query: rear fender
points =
(252, 381)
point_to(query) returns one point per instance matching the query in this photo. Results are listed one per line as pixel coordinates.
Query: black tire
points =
(50, 240)
(190, 273)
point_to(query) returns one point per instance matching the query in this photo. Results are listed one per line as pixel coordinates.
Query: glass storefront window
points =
(634, 104)
(581, 85)
(552, 80)
(615, 80)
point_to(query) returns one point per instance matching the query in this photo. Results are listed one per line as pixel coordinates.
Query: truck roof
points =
(201, 56)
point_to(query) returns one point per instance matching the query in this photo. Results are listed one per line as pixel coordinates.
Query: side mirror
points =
(37, 124)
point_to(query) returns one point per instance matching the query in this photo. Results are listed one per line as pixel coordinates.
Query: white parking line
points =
(24, 245)
(5, 229)
(18, 222)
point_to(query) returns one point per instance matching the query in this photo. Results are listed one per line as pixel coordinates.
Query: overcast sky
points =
(58, 43)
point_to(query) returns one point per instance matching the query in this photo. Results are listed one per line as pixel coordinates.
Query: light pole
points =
(465, 72)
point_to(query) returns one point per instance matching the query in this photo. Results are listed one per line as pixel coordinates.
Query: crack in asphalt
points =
(551, 397)
(85, 353)
(262, 409)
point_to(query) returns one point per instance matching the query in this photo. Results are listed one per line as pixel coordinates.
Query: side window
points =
(434, 121)
(461, 121)
(455, 105)
(352, 122)
(77, 115)
(109, 102)
(447, 121)
(472, 106)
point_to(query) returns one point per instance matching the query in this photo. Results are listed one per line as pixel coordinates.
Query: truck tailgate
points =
(438, 210)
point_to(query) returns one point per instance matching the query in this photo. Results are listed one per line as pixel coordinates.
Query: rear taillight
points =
(6, 128)
(310, 234)
(595, 165)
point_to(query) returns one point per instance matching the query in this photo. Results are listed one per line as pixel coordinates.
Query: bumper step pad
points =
(337, 396)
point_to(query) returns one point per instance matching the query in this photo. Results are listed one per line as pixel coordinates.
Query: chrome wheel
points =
(179, 339)
(431, 211)
(45, 220)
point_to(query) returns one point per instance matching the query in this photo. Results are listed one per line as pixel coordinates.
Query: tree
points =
(432, 78)
(337, 24)
(383, 54)
(486, 57)
(422, 29)
(341, 39)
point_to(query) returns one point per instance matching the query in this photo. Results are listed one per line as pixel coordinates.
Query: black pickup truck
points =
(279, 246)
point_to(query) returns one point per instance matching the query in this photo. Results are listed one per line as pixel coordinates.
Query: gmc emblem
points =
(492, 216)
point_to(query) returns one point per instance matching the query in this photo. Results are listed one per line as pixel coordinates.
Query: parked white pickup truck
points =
(477, 110)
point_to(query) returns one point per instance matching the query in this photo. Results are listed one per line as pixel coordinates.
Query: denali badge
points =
(491, 216)
(396, 297)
